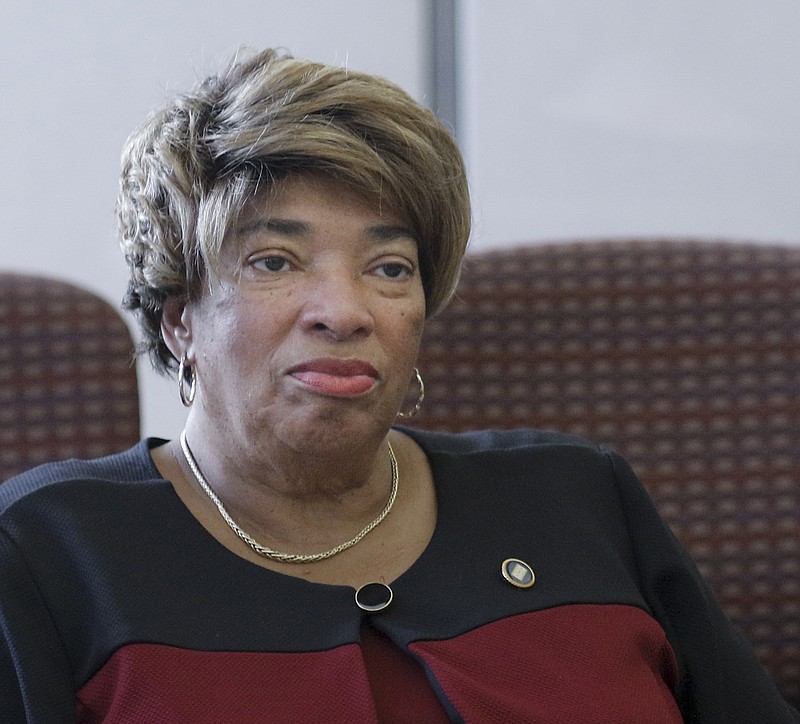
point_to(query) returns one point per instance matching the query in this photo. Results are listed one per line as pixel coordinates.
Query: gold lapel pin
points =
(518, 573)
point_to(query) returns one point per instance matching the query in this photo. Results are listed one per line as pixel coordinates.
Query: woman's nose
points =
(337, 305)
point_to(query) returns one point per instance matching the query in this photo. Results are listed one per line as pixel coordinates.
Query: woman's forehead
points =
(302, 198)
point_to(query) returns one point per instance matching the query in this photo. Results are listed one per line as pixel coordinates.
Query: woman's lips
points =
(340, 378)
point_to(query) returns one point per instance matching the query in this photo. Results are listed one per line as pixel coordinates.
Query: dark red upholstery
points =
(685, 357)
(67, 381)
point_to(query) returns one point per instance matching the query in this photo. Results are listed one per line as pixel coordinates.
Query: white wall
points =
(583, 118)
(77, 76)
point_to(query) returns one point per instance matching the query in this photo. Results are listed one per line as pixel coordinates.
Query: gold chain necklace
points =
(274, 555)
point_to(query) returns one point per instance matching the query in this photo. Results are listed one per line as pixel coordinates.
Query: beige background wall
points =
(583, 118)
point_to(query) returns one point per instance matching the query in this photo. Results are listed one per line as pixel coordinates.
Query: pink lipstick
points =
(336, 377)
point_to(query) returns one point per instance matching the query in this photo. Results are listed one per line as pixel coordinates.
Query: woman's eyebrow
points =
(389, 232)
(296, 228)
(282, 227)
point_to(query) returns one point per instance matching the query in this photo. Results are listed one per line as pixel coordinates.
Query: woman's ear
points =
(176, 327)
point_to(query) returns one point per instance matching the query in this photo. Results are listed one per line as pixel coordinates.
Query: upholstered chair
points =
(68, 383)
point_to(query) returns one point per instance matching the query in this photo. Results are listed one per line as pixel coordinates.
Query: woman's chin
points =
(332, 428)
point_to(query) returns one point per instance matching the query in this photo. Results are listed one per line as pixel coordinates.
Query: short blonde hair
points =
(188, 171)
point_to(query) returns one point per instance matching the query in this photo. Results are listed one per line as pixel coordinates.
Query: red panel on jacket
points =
(148, 682)
(598, 663)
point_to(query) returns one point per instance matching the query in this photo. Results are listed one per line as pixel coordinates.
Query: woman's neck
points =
(318, 521)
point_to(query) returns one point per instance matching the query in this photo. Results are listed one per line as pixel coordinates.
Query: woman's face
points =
(312, 330)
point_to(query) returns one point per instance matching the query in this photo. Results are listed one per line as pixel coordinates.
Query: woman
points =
(294, 556)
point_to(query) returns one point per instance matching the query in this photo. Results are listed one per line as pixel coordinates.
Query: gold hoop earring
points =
(421, 397)
(186, 374)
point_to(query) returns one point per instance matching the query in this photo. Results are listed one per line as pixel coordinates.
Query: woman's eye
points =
(393, 270)
(271, 263)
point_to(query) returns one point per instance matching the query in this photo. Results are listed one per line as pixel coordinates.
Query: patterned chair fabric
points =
(685, 357)
(67, 381)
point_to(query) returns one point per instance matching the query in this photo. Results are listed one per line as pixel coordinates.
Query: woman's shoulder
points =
(131, 465)
(527, 459)
(491, 440)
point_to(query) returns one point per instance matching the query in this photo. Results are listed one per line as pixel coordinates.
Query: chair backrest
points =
(68, 384)
(685, 357)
